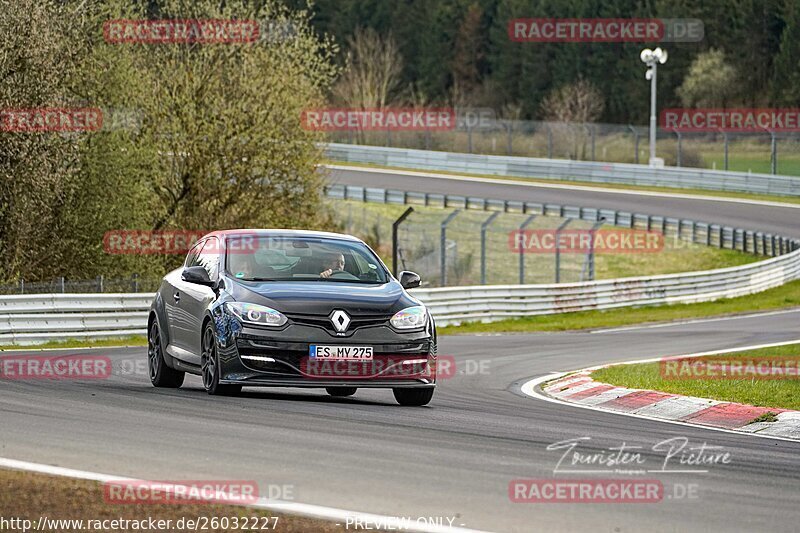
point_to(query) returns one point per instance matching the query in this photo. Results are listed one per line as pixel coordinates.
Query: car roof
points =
(282, 233)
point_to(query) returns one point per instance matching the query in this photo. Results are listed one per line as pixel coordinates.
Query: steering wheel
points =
(342, 274)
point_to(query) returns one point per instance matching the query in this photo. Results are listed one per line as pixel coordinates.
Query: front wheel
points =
(413, 397)
(161, 375)
(209, 365)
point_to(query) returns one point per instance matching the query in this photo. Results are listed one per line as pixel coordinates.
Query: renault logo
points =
(340, 320)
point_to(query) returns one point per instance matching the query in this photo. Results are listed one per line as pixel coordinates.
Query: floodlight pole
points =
(653, 124)
(652, 58)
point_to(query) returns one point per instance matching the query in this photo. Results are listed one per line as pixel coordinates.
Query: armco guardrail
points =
(452, 305)
(563, 169)
(31, 319)
(36, 318)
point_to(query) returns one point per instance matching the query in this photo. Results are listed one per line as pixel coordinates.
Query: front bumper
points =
(254, 356)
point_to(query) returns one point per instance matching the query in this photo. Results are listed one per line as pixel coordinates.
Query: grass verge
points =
(778, 393)
(785, 296)
(373, 223)
(29, 496)
(135, 340)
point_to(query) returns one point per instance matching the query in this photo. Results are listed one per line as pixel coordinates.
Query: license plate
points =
(341, 353)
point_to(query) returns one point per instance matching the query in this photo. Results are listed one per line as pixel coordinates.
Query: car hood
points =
(322, 297)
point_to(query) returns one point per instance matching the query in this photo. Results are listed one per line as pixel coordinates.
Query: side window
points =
(209, 257)
(194, 253)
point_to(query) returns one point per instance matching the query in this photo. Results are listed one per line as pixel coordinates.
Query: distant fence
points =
(482, 133)
(563, 169)
(746, 240)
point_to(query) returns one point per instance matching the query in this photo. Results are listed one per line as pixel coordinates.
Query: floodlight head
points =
(649, 74)
(646, 56)
(663, 58)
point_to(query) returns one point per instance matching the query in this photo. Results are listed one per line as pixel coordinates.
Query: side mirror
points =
(409, 280)
(198, 275)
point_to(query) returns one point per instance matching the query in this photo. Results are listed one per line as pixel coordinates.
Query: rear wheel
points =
(413, 397)
(341, 392)
(161, 375)
(209, 365)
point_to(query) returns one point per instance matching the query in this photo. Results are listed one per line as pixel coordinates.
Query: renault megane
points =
(292, 309)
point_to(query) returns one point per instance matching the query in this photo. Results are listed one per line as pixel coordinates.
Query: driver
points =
(334, 264)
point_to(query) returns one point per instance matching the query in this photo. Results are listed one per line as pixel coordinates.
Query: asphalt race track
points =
(779, 220)
(455, 457)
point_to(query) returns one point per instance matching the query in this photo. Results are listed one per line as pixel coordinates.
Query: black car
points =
(292, 309)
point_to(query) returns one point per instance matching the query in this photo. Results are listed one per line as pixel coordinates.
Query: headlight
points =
(410, 317)
(256, 314)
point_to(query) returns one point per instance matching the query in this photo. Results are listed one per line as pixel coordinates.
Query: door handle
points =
(177, 297)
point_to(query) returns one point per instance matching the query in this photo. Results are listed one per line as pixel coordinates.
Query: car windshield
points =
(253, 258)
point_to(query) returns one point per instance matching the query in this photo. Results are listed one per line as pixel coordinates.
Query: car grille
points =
(356, 322)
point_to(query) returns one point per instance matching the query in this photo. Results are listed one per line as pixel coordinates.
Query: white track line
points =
(696, 321)
(300, 509)
(529, 389)
(563, 186)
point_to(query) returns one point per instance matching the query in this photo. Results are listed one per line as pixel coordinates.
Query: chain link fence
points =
(100, 284)
(457, 241)
(758, 152)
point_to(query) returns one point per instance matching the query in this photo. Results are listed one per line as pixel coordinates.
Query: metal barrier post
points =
(443, 246)
(522, 249)
(635, 144)
(773, 152)
(725, 141)
(484, 228)
(588, 264)
(558, 248)
(395, 227)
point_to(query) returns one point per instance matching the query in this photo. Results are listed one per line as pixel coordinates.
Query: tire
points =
(413, 397)
(341, 392)
(209, 365)
(161, 375)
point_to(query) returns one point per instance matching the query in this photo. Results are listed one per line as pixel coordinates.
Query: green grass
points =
(785, 296)
(766, 417)
(373, 221)
(134, 340)
(673, 190)
(777, 393)
(788, 163)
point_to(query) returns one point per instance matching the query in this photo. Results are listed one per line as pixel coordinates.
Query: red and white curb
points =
(579, 389)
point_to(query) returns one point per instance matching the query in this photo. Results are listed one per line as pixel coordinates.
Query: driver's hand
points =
(326, 273)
